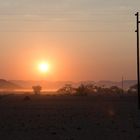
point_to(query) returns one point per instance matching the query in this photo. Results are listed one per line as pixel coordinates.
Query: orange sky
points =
(106, 51)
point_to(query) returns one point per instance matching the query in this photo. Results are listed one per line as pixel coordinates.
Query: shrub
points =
(67, 90)
(83, 90)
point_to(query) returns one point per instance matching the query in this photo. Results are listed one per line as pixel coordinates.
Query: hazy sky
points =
(80, 39)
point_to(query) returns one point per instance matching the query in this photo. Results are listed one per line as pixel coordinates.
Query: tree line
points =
(89, 89)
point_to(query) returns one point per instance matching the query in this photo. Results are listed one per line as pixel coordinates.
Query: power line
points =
(80, 31)
(7, 14)
(61, 13)
(64, 20)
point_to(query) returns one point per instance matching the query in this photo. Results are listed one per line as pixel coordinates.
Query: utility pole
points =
(138, 74)
(122, 85)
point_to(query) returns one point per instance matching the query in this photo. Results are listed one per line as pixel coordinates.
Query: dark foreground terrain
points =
(69, 118)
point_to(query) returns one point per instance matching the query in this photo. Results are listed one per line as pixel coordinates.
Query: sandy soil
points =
(69, 118)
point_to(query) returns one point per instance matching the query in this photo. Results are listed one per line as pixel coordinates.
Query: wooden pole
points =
(138, 75)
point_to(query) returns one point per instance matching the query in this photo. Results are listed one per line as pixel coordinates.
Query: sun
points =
(43, 67)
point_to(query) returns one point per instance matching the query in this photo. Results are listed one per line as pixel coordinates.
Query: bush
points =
(83, 90)
(67, 90)
(26, 98)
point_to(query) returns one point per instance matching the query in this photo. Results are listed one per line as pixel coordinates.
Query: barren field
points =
(69, 118)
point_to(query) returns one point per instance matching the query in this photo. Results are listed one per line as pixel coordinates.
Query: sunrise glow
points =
(43, 67)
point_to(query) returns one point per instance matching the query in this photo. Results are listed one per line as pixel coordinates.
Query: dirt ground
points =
(69, 118)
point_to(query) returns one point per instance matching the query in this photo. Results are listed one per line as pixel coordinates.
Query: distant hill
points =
(126, 83)
(4, 84)
(48, 85)
(54, 85)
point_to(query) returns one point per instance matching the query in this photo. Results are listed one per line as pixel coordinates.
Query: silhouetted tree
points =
(133, 89)
(115, 89)
(84, 90)
(98, 89)
(37, 89)
(105, 90)
(67, 90)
